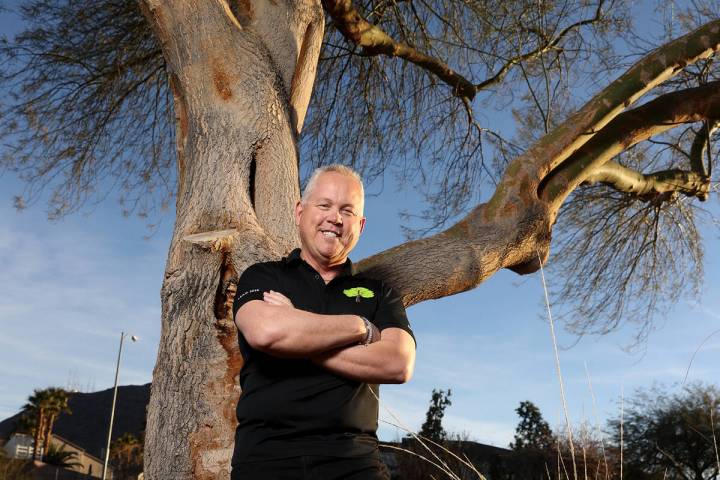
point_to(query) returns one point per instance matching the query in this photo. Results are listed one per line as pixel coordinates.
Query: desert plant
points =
(58, 456)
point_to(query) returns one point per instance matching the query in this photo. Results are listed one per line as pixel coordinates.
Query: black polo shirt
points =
(292, 407)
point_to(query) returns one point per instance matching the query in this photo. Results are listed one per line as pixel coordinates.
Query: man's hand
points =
(276, 298)
(391, 360)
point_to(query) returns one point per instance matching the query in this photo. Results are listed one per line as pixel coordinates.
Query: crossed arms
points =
(274, 326)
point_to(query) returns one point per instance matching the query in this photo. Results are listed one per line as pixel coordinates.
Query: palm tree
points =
(44, 406)
(36, 408)
(60, 457)
(57, 404)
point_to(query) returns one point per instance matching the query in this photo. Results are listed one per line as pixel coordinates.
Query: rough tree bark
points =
(240, 96)
(241, 73)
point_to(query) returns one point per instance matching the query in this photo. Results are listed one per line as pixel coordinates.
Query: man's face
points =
(330, 219)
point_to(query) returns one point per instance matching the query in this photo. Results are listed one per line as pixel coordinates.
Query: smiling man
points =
(316, 339)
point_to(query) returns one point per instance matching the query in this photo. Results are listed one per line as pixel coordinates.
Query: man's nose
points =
(336, 217)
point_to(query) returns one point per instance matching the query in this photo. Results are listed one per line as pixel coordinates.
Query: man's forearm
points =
(390, 360)
(285, 331)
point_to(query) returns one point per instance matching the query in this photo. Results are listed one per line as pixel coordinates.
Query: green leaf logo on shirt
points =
(359, 292)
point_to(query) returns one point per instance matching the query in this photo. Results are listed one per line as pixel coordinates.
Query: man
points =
(316, 338)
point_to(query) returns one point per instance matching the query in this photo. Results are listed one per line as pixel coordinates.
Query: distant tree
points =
(541, 452)
(40, 413)
(26, 423)
(36, 408)
(57, 403)
(60, 457)
(588, 455)
(671, 437)
(532, 432)
(535, 444)
(432, 428)
(126, 457)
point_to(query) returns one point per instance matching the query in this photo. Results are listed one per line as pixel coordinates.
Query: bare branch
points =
(375, 41)
(629, 128)
(554, 148)
(701, 145)
(653, 186)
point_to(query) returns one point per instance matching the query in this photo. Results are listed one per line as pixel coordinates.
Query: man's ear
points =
(362, 224)
(298, 212)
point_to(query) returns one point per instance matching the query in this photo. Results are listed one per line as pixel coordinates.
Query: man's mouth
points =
(330, 233)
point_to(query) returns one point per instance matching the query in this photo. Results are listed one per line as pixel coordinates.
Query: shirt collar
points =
(295, 258)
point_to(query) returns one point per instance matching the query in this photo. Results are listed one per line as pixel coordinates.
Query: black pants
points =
(312, 467)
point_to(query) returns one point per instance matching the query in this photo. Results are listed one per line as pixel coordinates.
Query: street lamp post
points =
(112, 411)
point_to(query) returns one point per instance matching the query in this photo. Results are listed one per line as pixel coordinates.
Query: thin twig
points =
(695, 353)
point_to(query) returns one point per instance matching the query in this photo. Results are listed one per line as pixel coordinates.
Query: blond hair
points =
(335, 168)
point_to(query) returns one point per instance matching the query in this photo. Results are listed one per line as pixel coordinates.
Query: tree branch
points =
(627, 129)
(513, 229)
(547, 46)
(464, 255)
(555, 148)
(653, 185)
(376, 41)
(700, 145)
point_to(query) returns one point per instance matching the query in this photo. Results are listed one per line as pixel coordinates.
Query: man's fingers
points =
(276, 298)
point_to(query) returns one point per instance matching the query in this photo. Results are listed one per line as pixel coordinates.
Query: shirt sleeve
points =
(255, 280)
(391, 312)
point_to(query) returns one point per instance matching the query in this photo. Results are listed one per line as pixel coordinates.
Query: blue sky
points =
(69, 287)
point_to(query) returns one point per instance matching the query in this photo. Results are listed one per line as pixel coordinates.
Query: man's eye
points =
(324, 206)
(349, 213)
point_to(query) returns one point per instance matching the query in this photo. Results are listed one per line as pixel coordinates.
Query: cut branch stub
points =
(221, 240)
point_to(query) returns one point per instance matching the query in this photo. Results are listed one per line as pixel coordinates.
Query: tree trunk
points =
(39, 427)
(48, 432)
(239, 102)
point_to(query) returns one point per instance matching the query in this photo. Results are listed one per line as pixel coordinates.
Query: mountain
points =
(87, 426)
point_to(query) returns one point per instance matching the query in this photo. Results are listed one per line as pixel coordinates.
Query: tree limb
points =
(513, 229)
(700, 145)
(376, 41)
(560, 144)
(464, 255)
(652, 185)
(547, 46)
(627, 129)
